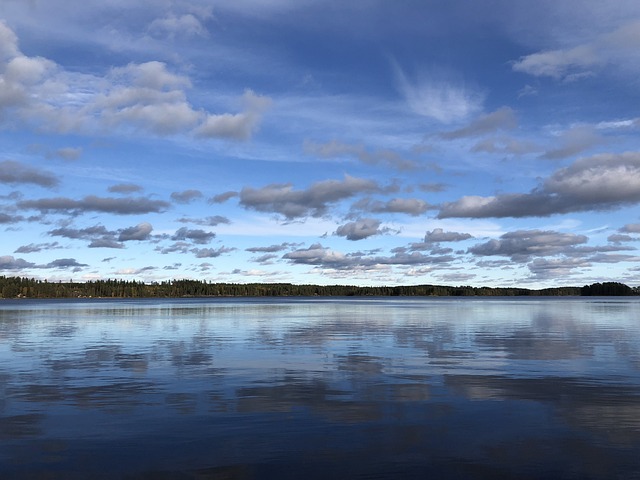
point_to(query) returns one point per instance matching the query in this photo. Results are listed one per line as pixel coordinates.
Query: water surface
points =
(512, 388)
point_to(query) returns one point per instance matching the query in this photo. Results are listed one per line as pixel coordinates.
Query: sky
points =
(492, 142)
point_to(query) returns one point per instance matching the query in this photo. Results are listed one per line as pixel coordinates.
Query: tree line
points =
(20, 287)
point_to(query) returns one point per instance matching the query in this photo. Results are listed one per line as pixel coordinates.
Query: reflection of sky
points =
(545, 371)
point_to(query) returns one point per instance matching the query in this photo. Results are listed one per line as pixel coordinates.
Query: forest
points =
(20, 287)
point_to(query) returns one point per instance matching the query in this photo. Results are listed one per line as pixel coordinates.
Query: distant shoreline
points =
(19, 287)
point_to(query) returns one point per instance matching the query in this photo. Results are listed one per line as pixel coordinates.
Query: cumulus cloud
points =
(360, 229)
(620, 238)
(432, 187)
(8, 43)
(125, 188)
(105, 242)
(173, 25)
(438, 235)
(613, 258)
(456, 277)
(631, 228)
(321, 257)
(63, 263)
(502, 119)
(92, 203)
(283, 199)
(272, 248)
(176, 247)
(194, 235)
(223, 197)
(574, 141)
(135, 271)
(553, 268)
(146, 97)
(238, 126)
(13, 173)
(410, 206)
(100, 237)
(138, 97)
(68, 153)
(266, 259)
(505, 145)
(601, 182)
(211, 252)
(5, 218)
(210, 221)
(558, 63)
(37, 247)
(88, 233)
(142, 231)
(7, 262)
(336, 149)
(521, 245)
(186, 196)
(318, 255)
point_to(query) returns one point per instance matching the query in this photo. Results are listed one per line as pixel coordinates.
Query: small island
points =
(20, 287)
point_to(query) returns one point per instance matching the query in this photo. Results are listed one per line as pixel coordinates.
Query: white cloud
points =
(618, 47)
(502, 119)
(314, 201)
(239, 126)
(335, 149)
(175, 25)
(360, 229)
(573, 141)
(139, 97)
(601, 182)
(8, 43)
(442, 99)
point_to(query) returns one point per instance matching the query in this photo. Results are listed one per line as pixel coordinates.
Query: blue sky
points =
(371, 143)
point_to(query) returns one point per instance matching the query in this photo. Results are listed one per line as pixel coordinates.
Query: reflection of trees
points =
(113, 395)
(588, 403)
(291, 393)
(392, 371)
(359, 364)
(21, 426)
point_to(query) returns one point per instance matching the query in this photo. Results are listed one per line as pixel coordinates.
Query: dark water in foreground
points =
(320, 388)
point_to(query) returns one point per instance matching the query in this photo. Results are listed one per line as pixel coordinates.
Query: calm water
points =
(320, 388)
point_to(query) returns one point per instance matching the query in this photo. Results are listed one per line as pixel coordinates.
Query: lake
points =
(364, 388)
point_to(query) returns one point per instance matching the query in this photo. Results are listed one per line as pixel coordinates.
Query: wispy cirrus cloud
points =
(439, 97)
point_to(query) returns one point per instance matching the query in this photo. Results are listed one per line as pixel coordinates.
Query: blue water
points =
(490, 388)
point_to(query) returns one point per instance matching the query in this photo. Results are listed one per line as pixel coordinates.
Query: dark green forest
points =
(18, 287)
